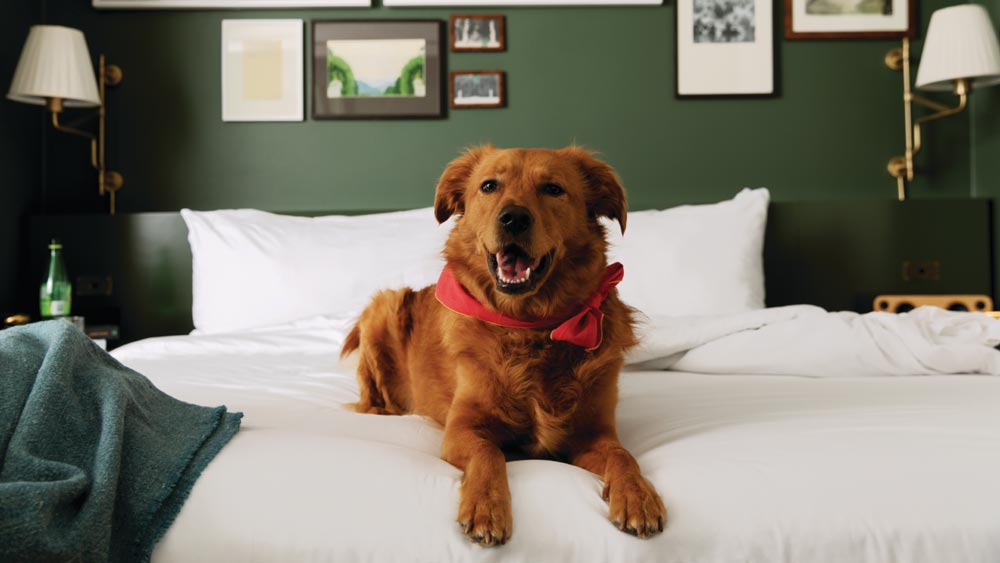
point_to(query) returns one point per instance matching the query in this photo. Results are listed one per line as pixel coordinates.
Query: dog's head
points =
(528, 240)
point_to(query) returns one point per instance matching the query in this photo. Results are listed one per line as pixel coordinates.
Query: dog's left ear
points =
(606, 195)
(449, 198)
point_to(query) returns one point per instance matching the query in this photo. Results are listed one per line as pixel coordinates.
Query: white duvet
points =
(751, 468)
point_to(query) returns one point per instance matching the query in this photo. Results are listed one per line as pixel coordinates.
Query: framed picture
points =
(377, 69)
(849, 19)
(507, 3)
(215, 4)
(262, 70)
(477, 32)
(725, 48)
(477, 89)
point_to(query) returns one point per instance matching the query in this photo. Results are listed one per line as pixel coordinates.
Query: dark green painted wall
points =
(600, 77)
(20, 150)
(985, 153)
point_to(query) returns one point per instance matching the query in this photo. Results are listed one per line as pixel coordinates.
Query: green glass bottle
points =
(56, 294)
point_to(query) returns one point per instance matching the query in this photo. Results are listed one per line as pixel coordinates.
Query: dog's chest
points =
(540, 392)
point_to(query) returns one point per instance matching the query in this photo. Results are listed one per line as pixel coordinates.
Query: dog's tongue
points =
(514, 265)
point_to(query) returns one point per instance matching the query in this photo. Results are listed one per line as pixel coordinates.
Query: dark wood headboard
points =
(838, 255)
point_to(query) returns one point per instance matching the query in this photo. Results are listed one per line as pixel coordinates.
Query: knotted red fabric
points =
(584, 329)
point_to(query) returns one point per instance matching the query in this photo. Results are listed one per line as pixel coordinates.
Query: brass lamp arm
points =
(66, 129)
(942, 111)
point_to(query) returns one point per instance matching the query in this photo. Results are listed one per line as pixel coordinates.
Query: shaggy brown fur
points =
(496, 388)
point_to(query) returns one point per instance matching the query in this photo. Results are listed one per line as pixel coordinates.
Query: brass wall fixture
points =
(55, 70)
(960, 53)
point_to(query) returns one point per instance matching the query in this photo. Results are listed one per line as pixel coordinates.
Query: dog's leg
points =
(633, 504)
(484, 504)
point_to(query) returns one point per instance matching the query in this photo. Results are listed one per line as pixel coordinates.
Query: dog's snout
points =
(514, 219)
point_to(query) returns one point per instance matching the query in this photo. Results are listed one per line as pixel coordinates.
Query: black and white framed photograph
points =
(477, 89)
(849, 19)
(477, 32)
(377, 69)
(725, 48)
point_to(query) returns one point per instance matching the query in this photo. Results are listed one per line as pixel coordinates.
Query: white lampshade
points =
(961, 43)
(55, 63)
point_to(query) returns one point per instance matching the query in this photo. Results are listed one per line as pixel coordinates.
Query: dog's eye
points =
(552, 189)
(489, 186)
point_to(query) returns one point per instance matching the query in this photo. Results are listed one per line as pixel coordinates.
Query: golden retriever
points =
(527, 246)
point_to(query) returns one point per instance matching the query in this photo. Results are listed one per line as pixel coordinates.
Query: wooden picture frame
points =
(898, 22)
(477, 32)
(715, 52)
(464, 93)
(355, 62)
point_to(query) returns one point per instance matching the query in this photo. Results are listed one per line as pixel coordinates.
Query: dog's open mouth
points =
(515, 270)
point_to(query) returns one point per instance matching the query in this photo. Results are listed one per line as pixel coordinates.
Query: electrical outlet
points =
(928, 270)
(86, 286)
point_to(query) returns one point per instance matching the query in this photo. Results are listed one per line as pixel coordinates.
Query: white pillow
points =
(694, 259)
(253, 269)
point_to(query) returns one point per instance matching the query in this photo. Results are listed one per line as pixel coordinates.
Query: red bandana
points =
(584, 329)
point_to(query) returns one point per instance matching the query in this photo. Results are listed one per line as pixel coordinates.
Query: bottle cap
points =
(55, 244)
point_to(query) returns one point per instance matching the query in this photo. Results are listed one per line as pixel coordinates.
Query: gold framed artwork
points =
(849, 19)
(262, 73)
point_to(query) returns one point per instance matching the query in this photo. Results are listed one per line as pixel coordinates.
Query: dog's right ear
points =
(450, 195)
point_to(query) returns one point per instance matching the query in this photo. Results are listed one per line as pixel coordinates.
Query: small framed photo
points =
(262, 70)
(849, 19)
(725, 48)
(477, 32)
(477, 89)
(377, 69)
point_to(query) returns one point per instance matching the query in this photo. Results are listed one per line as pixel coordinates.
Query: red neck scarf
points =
(584, 329)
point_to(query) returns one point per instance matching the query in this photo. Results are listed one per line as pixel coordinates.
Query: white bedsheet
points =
(753, 468)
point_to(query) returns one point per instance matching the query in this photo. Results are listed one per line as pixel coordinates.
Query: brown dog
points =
(528, 246)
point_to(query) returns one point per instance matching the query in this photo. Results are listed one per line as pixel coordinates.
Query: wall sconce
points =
(960, 53)
(55, 70)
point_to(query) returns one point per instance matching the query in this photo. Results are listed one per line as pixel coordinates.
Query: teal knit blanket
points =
(95, 462)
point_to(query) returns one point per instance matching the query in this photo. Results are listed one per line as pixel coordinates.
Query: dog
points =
(519, 345)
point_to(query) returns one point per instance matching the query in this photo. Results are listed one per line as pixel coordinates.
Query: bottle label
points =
(54, 308)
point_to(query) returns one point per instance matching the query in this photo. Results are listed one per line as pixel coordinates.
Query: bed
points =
(751, 467)
(772, 434)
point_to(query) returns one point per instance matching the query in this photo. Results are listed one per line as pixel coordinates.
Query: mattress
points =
(750, 467)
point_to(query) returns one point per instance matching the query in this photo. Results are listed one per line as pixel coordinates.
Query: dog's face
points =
(529, 219)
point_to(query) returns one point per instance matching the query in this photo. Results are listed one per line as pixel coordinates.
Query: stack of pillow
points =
(253, 269)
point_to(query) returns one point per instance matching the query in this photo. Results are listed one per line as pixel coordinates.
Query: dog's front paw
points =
(634, 507)
(486, 517)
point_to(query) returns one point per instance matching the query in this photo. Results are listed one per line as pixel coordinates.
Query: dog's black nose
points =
(514, 219)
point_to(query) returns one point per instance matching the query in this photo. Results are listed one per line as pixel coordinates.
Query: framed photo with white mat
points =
(725, 48)
(262, 70)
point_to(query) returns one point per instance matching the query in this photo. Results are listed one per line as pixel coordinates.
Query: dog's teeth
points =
(527, 274)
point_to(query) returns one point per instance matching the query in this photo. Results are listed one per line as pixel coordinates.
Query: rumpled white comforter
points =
(751, 468)
(807, 340)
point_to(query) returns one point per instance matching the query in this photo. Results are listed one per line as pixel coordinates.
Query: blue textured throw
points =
(96, 461)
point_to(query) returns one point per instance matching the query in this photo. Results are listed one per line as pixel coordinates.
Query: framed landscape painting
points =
(849, 19)
(377, 69)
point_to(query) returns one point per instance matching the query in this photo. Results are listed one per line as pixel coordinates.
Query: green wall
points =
(20, 150)
(599, 77)
(985, 152)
